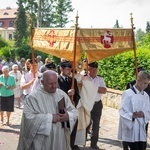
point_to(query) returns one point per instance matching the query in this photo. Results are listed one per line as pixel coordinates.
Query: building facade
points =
(7, 19)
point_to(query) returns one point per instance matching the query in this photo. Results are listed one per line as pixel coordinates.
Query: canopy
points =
(96, 43)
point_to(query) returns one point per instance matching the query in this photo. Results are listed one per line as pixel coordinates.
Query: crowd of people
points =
(57, 115)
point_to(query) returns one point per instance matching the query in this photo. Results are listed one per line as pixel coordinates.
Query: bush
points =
(119, 70)
(5, 52)
(3, 43)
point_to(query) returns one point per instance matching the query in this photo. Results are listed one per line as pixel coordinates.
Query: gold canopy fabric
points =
(57, 42)
(102, 43)
(97, 43)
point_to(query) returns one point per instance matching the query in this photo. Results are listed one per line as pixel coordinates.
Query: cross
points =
(51, 38)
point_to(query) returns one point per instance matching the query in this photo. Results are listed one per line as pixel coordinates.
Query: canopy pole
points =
(74, 54)
(32, 49)
(134, 46)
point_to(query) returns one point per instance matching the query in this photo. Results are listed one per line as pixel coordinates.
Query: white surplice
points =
(37, 130)
(133, 130)
(88, 95)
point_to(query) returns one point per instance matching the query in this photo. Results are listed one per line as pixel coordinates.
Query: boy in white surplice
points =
(135, 113)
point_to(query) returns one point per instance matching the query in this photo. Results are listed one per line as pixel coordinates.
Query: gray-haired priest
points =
(48, 117)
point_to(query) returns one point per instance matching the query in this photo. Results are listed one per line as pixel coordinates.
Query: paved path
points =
(108, 131)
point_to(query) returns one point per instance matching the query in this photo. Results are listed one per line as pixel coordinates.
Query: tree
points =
(148, 27)
(31, 6)
(139, 37)
(39, 14)
(20, 34)
(116, 25)
(51, 13)
(62, 9)
(47, 13)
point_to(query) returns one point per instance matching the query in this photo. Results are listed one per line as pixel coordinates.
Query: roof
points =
(8, 13)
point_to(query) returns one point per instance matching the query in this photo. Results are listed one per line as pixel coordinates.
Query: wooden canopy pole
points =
(134, 45)
(74, 54)
(31, 40)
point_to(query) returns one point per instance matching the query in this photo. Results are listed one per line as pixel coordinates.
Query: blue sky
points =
(104, 13)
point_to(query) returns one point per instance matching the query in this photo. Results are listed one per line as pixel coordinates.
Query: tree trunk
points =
(39, 14)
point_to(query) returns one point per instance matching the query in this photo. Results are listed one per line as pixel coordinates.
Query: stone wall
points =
(112, 98)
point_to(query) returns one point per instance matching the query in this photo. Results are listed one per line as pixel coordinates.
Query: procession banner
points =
(57, 42)
(96, 43)
(102, 43)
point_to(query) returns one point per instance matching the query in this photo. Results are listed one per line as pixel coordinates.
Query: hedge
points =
(120, 69)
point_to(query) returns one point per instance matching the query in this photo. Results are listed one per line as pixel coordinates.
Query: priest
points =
(44, 126)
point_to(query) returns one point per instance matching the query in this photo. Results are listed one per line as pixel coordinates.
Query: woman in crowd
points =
(17, 74)
(22, 64)
(7, 84)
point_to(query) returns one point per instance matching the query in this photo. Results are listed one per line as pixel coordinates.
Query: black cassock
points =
(65, 85)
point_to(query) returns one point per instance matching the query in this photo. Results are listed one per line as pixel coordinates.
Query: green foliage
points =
(119, 70)
(31, 7)
(148, 27)
(146, 40)
(47, 9)
(139, 35)
(54, 13)
(3, 43)
(55, 59)
(24, 51)
(62, 8)
(6, 48)
(21, 25)
(6, 52)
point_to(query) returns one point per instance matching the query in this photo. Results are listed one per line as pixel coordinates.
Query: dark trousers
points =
(136, 145)
(95, 117)
(73, 135)
(126, 144)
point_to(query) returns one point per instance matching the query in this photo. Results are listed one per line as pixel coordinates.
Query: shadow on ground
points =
(110, 142)
(9, 131)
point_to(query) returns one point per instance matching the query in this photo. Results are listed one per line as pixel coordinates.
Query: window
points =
(5, 13)
(1, 23)
(11, 23)
(10, 36)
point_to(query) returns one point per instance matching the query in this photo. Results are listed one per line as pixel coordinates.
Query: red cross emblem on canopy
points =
(51, 38)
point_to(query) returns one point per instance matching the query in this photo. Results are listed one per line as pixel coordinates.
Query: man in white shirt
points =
(98, 106)
(30, 80)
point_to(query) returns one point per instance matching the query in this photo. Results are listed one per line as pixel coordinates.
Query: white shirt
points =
(17, 76)
(27, 78)
(129, 130)
(99, 81)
